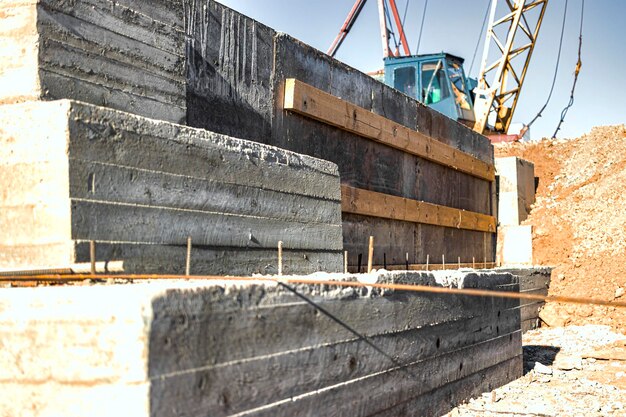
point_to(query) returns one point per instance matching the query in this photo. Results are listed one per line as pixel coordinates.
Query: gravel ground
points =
(569, 371)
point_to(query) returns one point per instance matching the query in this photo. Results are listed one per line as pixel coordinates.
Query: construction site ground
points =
(568, 371)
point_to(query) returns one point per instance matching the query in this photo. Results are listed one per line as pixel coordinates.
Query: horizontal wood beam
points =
(370, 203)
(311, 102)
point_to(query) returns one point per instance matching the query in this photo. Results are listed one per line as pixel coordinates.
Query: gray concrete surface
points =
(228, 89)
(139, 187)
(253, 348)
(121, 54)
(207, 66)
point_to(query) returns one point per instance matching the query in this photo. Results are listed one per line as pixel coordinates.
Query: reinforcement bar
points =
(353, 284)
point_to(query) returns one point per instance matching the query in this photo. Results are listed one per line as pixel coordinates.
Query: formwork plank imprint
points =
(442, 399)
(308, 369)
(113, 183)
(231, 328)
(153, 24)
(124, 76)
(380, 391)
(93, 91)
(144, 224)
(77, 35)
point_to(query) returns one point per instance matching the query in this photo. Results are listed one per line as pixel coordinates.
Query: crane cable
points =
(556, 71)
(390, 25)
(579, 64)
(419, 38)
(480, 36)
(406, 9)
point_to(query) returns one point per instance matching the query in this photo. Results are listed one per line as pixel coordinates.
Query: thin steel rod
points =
(188, 259)
(370, 255)
(353, 284)
(92, 256)
(280, 257)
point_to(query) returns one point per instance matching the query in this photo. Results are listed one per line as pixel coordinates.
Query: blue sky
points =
(453, 26)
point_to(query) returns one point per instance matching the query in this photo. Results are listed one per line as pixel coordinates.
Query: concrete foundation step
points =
(72, 173)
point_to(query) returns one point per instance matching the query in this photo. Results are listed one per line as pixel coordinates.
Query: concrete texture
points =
(236, 73)
(253, 348)
(140, 187)
(121, 54)
(535, 280)
(516, 190)
(204, 65)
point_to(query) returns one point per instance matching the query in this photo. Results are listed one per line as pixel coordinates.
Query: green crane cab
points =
(437, 80)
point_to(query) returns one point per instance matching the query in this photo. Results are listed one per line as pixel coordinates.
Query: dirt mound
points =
(579, 220)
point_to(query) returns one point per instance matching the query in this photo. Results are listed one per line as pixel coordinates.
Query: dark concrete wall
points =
(236, 73)
(124, 54)
(323, 351)
(219, 348)
(200, 63)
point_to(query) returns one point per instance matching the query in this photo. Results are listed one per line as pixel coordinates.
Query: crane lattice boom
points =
(500, 81)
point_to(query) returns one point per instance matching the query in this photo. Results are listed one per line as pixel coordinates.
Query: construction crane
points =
(438, 80)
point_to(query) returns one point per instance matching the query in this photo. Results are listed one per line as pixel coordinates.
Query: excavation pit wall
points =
(197, 348)
(201, 64)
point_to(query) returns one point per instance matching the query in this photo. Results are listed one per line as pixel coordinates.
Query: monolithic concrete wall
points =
(201, 63)
(236, 76)
(197, 349)
(123, 54)
(73, 172)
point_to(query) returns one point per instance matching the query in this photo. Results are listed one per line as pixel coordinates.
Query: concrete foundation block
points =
(223, 347)
(74, 172)
(207, 66)
(516, 193)
(515, 245)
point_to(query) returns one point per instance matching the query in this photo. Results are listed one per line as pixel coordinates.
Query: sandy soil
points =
(579, 221)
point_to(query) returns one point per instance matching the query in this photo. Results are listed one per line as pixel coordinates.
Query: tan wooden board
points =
(370, 203)
(319, 105)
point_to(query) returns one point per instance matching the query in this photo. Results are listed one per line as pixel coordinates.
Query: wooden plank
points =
(370, 203)
(314, 103)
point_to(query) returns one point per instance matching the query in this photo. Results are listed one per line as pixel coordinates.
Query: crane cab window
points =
(404, 80)
(457, 82)
(434, 83)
